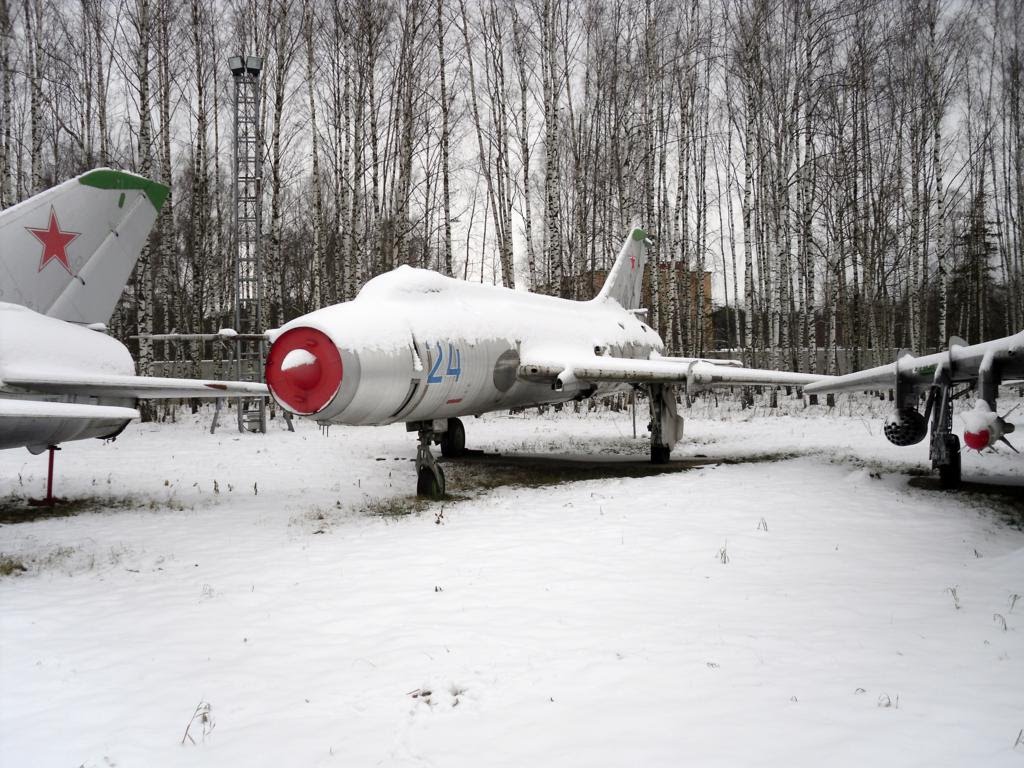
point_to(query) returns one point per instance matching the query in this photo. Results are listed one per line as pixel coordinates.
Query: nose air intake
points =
(304, 370)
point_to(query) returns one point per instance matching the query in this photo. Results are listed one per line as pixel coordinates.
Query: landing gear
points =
(430, 482)
(453, 441)
(949, 472)
(660, 454)
(451, 435)
(666, 425)
(429, 476)
(944, 449)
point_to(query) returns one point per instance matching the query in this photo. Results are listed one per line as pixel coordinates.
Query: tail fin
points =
(626, 278)
(69, 251)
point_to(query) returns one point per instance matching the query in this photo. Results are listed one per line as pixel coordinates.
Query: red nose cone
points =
(304, 370)
(977, 440)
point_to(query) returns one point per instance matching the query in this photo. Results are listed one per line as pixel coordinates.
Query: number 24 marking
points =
(454, 368)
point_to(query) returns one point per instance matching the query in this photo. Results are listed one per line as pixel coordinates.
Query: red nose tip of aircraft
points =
(304, 370)
(977, 440)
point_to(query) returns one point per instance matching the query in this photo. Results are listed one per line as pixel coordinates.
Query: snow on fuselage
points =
(31, 342)
(415, 345)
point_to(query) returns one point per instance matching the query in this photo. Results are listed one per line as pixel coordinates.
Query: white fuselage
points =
(417, 346)
(31, 342)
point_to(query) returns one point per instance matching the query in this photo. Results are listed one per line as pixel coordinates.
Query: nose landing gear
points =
(451, 434)
(429, 476)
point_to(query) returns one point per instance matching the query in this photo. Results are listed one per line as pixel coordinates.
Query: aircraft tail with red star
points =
(624, 283)
(68, 252)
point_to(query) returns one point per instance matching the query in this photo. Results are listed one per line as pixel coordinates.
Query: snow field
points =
(779, 612)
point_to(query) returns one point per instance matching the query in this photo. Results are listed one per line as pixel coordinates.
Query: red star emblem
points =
(55, 242)
(632, 263)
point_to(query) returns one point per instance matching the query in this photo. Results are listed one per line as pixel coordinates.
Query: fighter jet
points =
(980, 367)
(417, 347)
(65, 257)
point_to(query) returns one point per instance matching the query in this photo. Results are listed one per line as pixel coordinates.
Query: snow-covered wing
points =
(669, 371)
(143, 387)
(871, 378)
(961, 362)
(42, 409)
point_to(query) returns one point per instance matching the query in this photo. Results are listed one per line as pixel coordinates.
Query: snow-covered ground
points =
(811, 603)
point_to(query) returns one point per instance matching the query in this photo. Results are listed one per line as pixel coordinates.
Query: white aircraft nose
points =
(304, 370)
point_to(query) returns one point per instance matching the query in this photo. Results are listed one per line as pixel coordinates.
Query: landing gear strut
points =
(666, 425)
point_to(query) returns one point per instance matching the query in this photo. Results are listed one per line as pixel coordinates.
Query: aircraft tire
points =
(453, 442)
(949, 474)
(429, 485)
(660, 454)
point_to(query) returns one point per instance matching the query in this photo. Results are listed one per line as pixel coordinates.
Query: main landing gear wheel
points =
(949, 472)
(660, 454)
(453, 442)
(945, 446)
(663, 422)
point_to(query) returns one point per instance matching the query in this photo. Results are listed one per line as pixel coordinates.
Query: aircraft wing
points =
(694, 372)
(142, 387)
(42, 409)
(873, 378)
(962, 363)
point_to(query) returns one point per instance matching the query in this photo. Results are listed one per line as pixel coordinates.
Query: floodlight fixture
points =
(254, 64)
(236, 65)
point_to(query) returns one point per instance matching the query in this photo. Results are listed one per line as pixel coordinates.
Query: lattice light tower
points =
(249, 354)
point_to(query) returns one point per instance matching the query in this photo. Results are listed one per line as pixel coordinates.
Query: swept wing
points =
(142, 387)
(694, 372)
(961, 363)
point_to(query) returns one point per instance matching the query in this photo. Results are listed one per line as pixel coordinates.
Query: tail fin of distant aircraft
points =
(68, 252)
(626, 278)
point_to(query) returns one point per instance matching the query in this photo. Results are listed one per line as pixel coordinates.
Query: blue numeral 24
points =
(454, 364)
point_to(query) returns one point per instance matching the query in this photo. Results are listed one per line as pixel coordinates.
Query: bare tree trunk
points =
(166, 218)
(144, 270)
(33, 50)
(358, 169)
(519, 47)
(401, 190)
(552, 171)
(940, 206)
(6, 98)
(748, 232)
(284, 40)
(445, 142)
(702, 212)
(316, 268)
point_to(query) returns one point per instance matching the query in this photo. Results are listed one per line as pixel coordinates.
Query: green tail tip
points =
(105, 178)
(639, 235)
